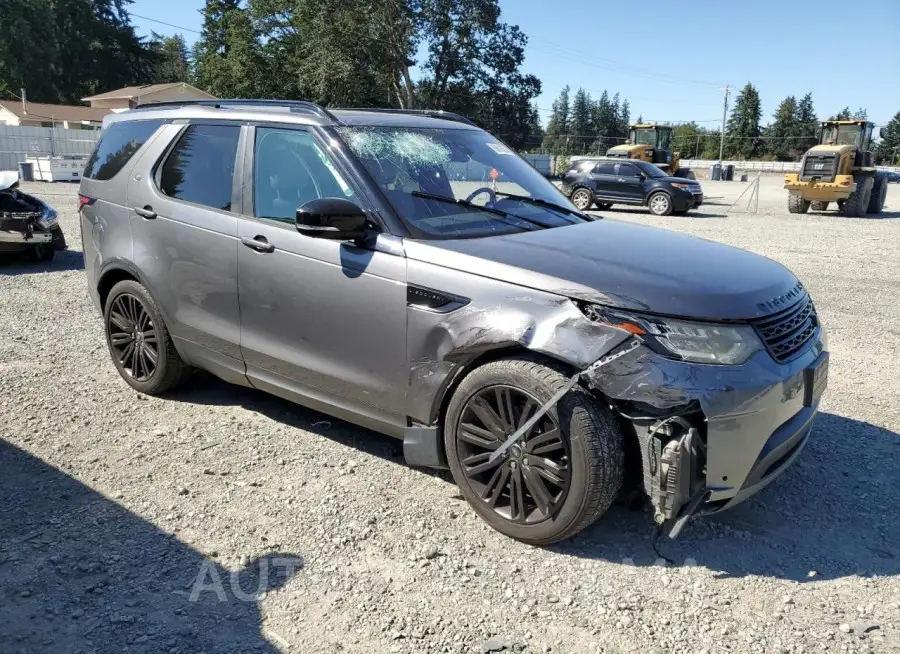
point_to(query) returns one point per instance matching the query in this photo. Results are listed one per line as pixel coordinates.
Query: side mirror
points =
(332, 218)
(882, 132)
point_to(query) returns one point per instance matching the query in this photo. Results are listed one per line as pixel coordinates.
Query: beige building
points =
(38, 114)
(134, 96)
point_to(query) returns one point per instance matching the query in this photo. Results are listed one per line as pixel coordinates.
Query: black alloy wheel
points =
(529, 482)
(133, 337)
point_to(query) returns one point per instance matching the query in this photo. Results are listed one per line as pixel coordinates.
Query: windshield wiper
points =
(472, 205)
(544, 203)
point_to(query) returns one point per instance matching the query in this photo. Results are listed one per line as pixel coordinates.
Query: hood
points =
(626, 147)
(840, 149)
(676, 180)
(624, 265)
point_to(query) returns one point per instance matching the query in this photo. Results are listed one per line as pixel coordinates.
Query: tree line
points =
(584, 126)
(361, 53)
(333, 52)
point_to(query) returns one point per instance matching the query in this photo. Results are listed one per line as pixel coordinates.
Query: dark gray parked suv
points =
(606, 181)
(407, 272)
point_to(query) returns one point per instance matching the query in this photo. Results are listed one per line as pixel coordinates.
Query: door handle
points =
(258, 243)
(145, 212)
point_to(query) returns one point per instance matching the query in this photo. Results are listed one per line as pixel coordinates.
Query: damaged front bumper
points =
(713, 435)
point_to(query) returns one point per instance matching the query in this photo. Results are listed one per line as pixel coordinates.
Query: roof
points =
(295, 111)
(41, 111)
(131, 92)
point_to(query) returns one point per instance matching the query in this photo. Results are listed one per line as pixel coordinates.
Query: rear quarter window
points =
(116, 147)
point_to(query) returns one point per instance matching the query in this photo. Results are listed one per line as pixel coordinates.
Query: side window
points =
(116, 147)
(200, 167)
(627, 170)
(605, 168)
(291, 169)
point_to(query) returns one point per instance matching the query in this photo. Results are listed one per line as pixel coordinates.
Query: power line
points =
(162, 22)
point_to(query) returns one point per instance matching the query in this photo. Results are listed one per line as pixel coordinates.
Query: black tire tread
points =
(879, 194)
(175, 370)
(855, 206)
(818, 205)
(671, 203)
(603, 438)
(796, 203)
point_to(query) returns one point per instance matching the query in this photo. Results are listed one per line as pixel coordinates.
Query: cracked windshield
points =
(457, 183)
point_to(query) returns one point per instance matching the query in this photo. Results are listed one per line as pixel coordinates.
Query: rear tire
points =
(603, 206)
(132, 319)
(578, 441)
(582, 198)
(818, 206)
(660, 204)
(855, 206)
(796, 203)
(879, 194)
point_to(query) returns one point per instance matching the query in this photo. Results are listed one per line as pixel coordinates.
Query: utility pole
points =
(24, 102)
(724, 118)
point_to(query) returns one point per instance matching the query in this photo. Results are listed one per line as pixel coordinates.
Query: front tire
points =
(855, 206)
(879, 195)
(42, 252)
(582, 198)
(796, 203)
(559, 478)
(660, 204)
(139, 342)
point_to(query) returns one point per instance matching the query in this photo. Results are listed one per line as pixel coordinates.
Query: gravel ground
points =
(220, 519)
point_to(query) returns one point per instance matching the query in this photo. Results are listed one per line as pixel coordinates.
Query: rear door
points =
(184, 227)
(630, 183)
(604, 177)
(322, 321)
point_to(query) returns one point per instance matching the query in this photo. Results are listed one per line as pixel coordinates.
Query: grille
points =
(787, 333)
(822, 167)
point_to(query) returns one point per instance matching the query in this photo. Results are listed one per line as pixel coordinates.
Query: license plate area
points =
(815, 380)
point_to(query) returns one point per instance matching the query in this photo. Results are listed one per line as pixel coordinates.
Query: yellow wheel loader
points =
(651, 143)
(839, 169)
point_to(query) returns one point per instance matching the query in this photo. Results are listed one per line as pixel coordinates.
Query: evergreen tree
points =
(172, 59)
(229, 60)
(581, 122)
(61, 52)
(887, 151)
(807, 124)
(742, 140)
(860, 114)
(783, 130)
(555, 139)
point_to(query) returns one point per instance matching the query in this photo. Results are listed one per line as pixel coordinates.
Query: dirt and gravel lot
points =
(220, 519)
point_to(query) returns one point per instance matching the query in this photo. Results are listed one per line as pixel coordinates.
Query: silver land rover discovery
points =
(406, 271)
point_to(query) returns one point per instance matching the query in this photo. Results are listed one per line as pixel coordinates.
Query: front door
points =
(322, 321)
(184, 233)
(630, 182)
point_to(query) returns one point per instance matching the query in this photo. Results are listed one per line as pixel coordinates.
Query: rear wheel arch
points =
(110, 278)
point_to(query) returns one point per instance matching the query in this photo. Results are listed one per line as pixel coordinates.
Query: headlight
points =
(680, 185)
(48, 219)
(687, 340)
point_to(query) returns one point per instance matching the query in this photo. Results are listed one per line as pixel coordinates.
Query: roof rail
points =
(300, 106)
(431, 113)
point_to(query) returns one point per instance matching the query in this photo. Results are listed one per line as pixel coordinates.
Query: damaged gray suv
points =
(408, 272)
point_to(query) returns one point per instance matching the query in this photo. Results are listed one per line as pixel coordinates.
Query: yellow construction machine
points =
(839, 169)
(651, 143)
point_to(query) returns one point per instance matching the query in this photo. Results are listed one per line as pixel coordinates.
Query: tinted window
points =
(201, 165)
(117, 145)
(627, 170)
(290, 170)
(605, 168)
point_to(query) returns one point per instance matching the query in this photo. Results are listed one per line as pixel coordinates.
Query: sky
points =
(673, 60)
